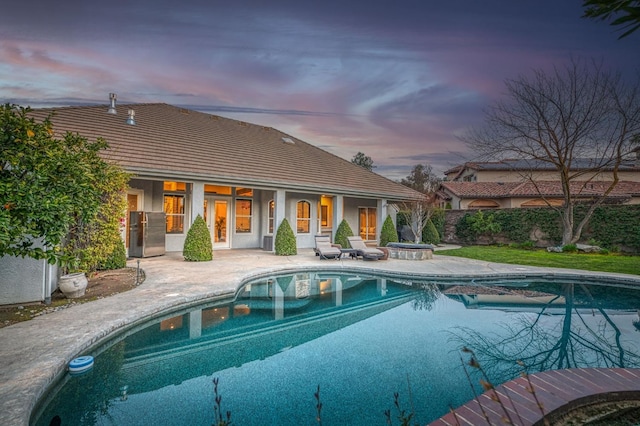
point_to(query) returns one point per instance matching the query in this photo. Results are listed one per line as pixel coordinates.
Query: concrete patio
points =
(33, 354)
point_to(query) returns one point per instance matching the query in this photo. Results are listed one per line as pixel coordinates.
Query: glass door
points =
(217, 217)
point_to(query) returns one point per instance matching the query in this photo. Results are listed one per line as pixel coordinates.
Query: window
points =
(324, 215)
(243, 216)
(303, 217)
(367, 225)
(271, 214)
(217, 189)
(174, 210)
(175, 186)
(244, 192)
(174, 206)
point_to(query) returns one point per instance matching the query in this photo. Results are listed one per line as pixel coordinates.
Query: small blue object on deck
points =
(81, 364)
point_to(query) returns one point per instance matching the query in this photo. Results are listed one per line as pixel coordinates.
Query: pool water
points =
(360, 339)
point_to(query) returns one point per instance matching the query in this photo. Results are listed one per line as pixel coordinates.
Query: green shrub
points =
(197, 245)
(474, 225)
(527, 245)
(570, 248)
(438, 219)
(285, 243)
(388, 233)
(117, 259)
(343, 231)
(615, 227)
(430, 233)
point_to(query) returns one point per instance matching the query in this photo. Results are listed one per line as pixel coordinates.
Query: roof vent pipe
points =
(112, 104)
(130, 119)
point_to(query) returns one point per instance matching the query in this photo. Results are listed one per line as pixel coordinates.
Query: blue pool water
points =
(360, 339)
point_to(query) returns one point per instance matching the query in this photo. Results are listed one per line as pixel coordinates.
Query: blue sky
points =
(397, 80)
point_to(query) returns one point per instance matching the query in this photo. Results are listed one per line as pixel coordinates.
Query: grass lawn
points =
(588, 262)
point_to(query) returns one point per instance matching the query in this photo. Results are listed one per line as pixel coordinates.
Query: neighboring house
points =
(242, 178)
(521, 183)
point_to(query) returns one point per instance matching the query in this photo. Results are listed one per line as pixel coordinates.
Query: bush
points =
(117, 259)
(438, 219)
(197, 245)
(388, 233)
(343, 231)
(430, 233)
(475, 225)
(527, 245)
(285, 243)
(570, 248)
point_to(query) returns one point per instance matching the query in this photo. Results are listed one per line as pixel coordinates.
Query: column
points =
(197, 200)
(338, 213)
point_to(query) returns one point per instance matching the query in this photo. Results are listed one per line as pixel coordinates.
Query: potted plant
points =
(221, 223)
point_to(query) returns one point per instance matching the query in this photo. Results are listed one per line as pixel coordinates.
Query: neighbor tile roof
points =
(168, 142)
(542, 188)
(532, 164)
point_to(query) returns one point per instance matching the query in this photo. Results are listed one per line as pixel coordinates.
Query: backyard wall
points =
(615, 227)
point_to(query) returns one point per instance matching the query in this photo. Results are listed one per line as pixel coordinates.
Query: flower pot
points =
(73, 285)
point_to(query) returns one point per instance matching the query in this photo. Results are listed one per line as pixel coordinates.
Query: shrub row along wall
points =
(612, 227)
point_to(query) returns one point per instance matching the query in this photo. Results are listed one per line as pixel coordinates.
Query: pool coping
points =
(34, 354)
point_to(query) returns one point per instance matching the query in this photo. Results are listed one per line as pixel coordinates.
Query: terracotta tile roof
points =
(524, 165)
(547, 188)
(179, 144)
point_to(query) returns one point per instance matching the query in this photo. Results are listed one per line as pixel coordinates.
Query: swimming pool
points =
(359, 338)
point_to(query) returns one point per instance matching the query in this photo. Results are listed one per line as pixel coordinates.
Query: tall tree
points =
(418, 212)
(422, 179)
(363, 161)
(581, 120)
(625, 13)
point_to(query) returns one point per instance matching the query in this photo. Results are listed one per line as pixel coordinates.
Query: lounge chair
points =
(367, 253)
(325, 249)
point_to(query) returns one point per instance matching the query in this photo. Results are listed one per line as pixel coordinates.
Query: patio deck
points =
(558, 392)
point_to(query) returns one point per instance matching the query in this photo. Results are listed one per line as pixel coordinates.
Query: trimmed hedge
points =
(430, 234)
(388, 233)
(343, 231)
(197, 245)
(285, 243)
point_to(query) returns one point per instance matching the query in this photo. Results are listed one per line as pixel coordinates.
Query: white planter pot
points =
(73, 285)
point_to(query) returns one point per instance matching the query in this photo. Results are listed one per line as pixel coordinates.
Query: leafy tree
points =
(580, 121)
(46, 185)
(96, 244)
(422, 179)
(416, 214)
(285, 243)
(343, 231)
(197, 245)
(388, 233)
(625, 13)
(363, 161)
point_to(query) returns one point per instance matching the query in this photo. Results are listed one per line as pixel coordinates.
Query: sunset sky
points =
(397, 80)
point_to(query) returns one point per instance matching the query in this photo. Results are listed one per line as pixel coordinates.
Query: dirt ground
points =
(102, 284)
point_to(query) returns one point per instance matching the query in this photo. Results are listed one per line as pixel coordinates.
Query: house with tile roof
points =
(530, 183)
(243, 179)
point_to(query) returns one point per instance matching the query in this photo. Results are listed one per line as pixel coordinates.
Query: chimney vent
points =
(131, 118)
(112, 104)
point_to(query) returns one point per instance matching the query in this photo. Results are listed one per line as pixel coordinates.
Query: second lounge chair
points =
(367, 253)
